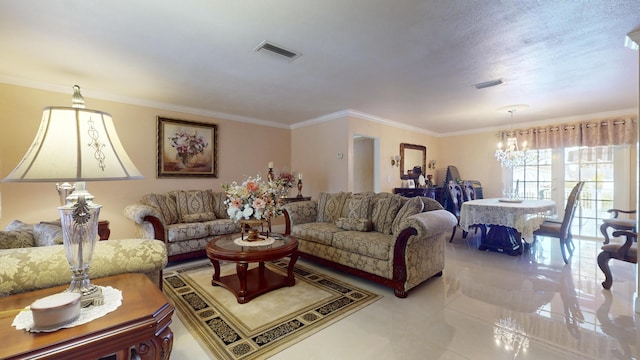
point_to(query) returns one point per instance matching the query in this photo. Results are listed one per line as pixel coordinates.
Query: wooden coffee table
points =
(140, 323)
(247, 284)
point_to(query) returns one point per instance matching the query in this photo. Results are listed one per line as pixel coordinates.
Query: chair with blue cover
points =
(562, 229)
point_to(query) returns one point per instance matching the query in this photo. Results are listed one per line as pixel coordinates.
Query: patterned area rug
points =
(267, 324)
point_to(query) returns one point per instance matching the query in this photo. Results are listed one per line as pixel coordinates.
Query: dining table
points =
(508, 221)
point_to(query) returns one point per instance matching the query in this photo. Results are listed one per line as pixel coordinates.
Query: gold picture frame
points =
(187, 148)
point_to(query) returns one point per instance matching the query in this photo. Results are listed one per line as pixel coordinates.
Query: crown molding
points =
(88, 93)
(561, 120)
(360, 115)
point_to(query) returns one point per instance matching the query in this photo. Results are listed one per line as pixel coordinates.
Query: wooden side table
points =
(294, 199)
(140, 324)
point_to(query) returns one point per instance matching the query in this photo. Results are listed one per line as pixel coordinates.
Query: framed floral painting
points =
(187, 149)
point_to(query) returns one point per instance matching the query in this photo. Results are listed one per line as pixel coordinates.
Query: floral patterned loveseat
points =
(31, 260)
(184, 220)
(395, 241)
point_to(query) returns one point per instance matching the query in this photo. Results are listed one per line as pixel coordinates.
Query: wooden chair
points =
(456, 199)
(468, 190)
(562, 230)
(457, 196)
(626, 252)
(617, 223)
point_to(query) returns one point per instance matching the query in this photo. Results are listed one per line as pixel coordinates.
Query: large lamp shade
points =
(75, 144)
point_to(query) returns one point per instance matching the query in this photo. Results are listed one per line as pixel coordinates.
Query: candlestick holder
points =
(299, 188)
(270, 175)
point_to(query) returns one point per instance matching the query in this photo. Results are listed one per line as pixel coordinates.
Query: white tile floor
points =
(486, 306)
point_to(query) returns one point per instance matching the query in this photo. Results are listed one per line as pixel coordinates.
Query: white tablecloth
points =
(525, 216)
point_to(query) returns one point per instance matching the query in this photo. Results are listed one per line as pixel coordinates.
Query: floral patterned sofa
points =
(185, 220)
(32, 259)
(395, 241)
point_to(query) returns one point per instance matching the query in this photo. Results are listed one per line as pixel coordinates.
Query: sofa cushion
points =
(166, 204)
(218, 205)
(222, 227)
(358, 207)
(193, 202)
(384, 212)
(372, 244)
(16, 239)
(350, 224)
(320, 232)
(411, 207)
(47, 234)
(187, 231)
(198, 217)
(330, 206)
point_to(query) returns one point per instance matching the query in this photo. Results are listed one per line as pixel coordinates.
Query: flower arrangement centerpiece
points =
(285, 181)
(189, 145)
(252, 202)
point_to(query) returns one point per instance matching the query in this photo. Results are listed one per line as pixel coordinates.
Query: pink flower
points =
(259, 204)
(253, 186)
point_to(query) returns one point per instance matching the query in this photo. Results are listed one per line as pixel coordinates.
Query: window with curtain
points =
(596, 152)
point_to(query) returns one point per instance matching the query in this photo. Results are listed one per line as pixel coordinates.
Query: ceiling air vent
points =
(273, 49)
(486, 84)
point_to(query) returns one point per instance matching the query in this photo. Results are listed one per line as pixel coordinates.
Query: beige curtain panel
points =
(615, 131)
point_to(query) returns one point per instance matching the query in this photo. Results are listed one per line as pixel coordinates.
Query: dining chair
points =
(468, 190)
(617, 223)
(625, 252)
(458, 196)
(562, 230)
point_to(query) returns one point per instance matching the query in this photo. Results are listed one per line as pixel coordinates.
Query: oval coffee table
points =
(247, 284)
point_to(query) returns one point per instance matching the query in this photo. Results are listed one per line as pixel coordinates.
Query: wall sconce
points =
(432, 164)
(395, 160)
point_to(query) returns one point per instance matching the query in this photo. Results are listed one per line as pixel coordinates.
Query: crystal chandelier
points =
(512, 156)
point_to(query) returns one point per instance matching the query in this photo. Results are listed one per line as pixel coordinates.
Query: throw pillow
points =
(46, 234)
(411, 207)
(358, 207)
(330, 206)
(16, 239)
(199, 217)
(218, 205)
(167, 206)
(384, 213)
(193, 202)
(350, 224)
(18, 225)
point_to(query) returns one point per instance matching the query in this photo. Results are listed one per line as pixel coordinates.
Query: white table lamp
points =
(74, 144)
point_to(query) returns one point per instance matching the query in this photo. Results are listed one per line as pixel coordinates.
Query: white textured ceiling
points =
(412, 62)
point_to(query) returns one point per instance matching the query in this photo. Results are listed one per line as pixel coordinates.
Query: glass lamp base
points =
(91, 296)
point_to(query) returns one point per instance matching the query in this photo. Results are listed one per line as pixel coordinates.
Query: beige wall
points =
(474, 157)
(390, 138)
(315, 148)
(243, 149)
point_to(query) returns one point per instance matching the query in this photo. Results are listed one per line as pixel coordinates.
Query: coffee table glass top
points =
(226, 242)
